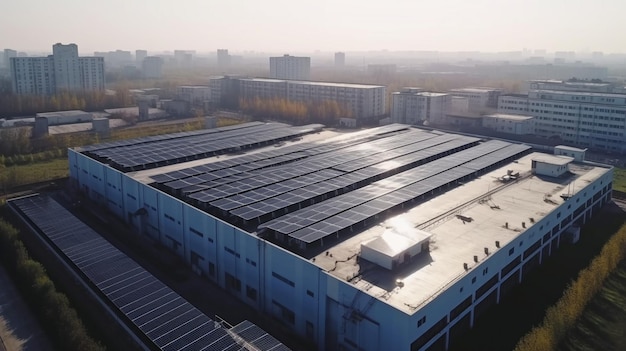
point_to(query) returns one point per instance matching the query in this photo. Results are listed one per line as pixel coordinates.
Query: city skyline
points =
(350, 25)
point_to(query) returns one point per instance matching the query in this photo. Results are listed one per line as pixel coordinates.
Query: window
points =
(511, 251)
(283, 279)
(283, 313)
(251, 292)
(473, 280)
(231, 251)
(310, 293)
(232, 283)
(195, 258)
(196, 231)
(421, 321)
(211, 269)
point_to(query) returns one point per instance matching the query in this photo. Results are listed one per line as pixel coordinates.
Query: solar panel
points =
(165, 318)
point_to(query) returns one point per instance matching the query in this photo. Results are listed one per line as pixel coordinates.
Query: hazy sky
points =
(327, 25)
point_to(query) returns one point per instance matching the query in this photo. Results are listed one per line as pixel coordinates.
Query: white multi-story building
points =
(578, 117)
(8, 54)
(348, 239)
(152, 67)
(62, 71)
(340, 59)
(290, 67)
(140, 55)
(196, 95)
(360, 100)
(480, 99)
(415, 106)
(511, 124)
(66, 67)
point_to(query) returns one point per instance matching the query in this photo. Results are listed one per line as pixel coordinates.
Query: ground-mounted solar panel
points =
(162, 316)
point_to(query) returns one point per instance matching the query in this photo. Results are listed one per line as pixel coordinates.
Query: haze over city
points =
(283, 25)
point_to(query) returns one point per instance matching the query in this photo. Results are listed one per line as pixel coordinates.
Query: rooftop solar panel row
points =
(163, 316)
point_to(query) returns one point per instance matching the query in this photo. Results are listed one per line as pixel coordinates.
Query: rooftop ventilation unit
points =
(395, 247)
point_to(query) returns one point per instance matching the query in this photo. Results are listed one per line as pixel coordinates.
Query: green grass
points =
(619, 179)
(603, 323)
(15, 176)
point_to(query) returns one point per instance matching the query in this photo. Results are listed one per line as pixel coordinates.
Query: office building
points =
(196, 95)
(116, 59)
(415, 106)
(340, 59)
(575, 113)
(509, 123)
(359, 100)
(391, 238)
(480, 99)
(62, 71)
(152, 67)
(290, 67)
(223, 59)
(8, 54)
(140, 55)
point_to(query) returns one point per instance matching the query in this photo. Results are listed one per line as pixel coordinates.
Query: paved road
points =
(19, 330)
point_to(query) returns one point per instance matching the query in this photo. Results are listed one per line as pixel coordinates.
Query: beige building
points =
(512, 124)
(415, 106)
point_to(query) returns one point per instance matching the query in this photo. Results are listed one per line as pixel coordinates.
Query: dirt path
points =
(19, 331)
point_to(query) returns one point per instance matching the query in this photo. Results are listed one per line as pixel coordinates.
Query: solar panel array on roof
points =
(145, 153)
(253, 186)
(345, 211)
(167, 320)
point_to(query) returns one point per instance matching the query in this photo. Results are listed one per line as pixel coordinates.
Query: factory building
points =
(387, 238)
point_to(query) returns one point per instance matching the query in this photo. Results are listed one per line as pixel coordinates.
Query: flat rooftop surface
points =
(509, 117)
(62, 113)
(307, 82)
(488, 202)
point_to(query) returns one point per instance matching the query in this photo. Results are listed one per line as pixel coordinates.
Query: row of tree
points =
(18, 141)
(296, 112)
(60, 321)
(562, 316)
(12, 105)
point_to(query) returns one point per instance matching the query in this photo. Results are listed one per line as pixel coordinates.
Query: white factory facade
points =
(410, 276)
(580, 114)
(290, 67)
(62, 71)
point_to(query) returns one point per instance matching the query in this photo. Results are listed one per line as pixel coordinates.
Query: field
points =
(16, 176)
(603, 323)
(619, 179)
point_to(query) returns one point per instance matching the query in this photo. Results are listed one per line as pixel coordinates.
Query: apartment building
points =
(415, 106)
(290, 67)
(64, 70)
(576, 114)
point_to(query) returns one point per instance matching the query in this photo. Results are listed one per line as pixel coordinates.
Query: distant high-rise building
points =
(152, 67)
(340, 59)
(8, 53)
(290, 67)
(140, 55)
(117, 58)
(223, 58)
(64, 70)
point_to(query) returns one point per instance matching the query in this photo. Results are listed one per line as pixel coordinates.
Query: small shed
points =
(549, 165)
(392, 248)
(576, 153)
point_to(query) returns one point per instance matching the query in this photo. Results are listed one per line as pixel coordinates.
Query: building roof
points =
(474, 90)
(521, 96)
(509, 117)
(484, 204)
(306, 82)
(569, 148)
(62, 114)
(553, 159)
(322, 196)
(581, 93)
